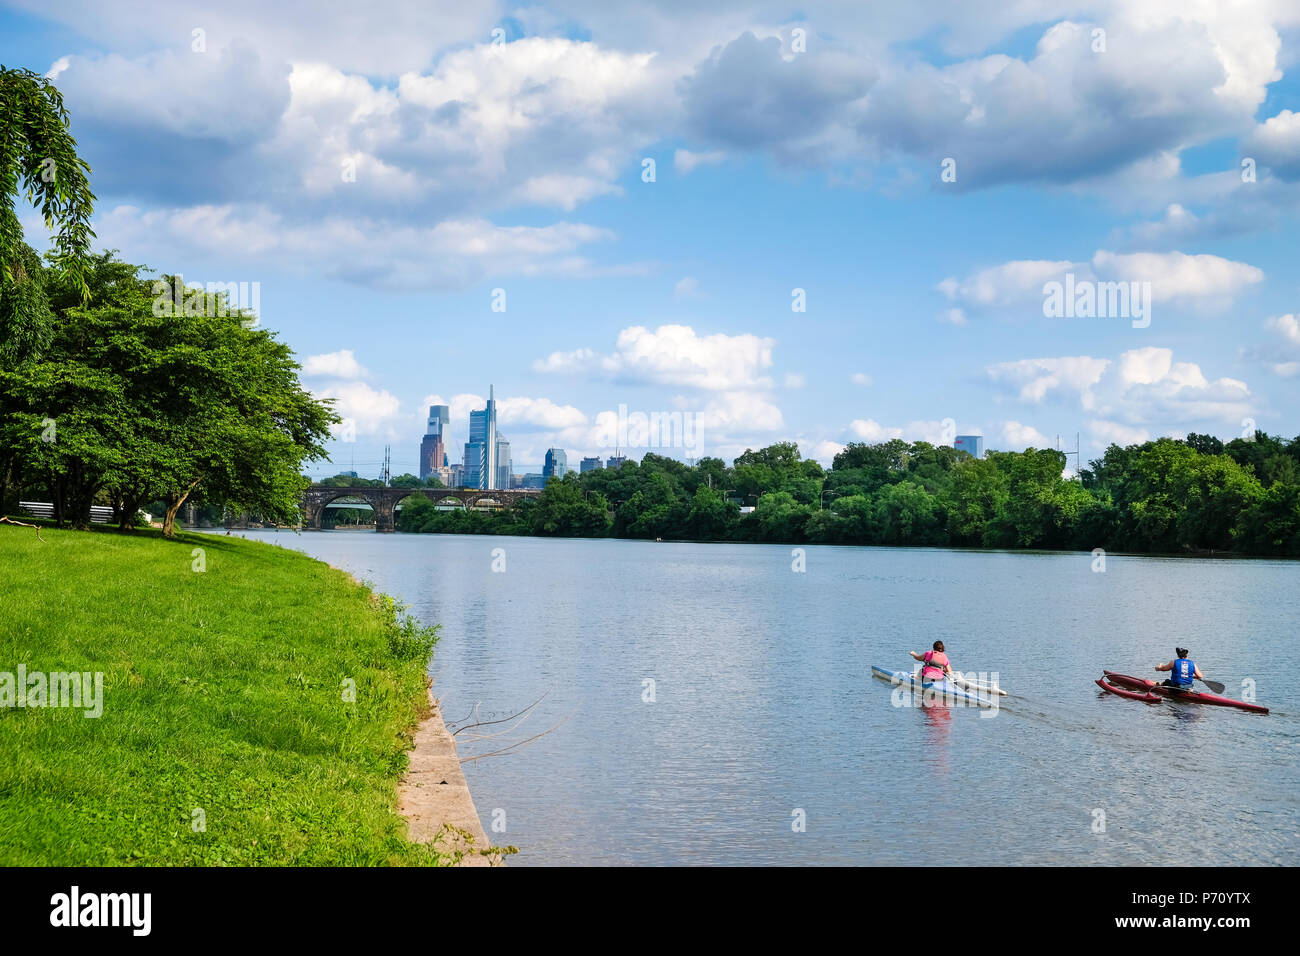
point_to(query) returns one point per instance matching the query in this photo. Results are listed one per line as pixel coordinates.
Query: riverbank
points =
(243, 704)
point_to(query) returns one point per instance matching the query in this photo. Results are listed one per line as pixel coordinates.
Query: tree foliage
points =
(130, 403)
(1169, 496)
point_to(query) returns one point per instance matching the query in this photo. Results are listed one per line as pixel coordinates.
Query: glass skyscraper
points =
(433, 448)
(487, 453)
(557, 463)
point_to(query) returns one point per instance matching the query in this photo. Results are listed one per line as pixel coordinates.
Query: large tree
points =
(146, 403)
(39, 163)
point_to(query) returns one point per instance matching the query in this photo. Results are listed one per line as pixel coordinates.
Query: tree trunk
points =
(57, 495)
(174, 502)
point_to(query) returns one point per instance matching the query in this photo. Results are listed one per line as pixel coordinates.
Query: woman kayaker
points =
(1184, 671)
(935, 661)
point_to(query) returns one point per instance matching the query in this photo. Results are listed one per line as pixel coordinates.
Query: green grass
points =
(223, 692)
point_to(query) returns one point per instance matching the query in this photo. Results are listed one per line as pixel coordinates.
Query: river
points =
(763, 738)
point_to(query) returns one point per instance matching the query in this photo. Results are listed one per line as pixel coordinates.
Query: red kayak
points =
(1134, 695)
(1151, 690)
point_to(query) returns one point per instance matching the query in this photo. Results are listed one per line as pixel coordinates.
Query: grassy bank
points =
(225, 737)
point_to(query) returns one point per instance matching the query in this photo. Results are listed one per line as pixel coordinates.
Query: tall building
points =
(970, 443)
(456, 476)
(557, 463)
(433, 447)
(589, 464)
(615, 461)
(481, 463)
(503, 462)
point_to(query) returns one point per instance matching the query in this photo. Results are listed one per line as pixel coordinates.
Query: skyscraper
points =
(503, 462)
(615, 461)
(590, 464)
(970, 443)
(481, 451)
(557, 463)
(433, 447)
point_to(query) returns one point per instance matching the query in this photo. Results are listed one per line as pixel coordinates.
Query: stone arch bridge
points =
(383, 501)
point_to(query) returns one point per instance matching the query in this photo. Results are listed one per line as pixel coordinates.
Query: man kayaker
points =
(1184, 671)
(935, 661)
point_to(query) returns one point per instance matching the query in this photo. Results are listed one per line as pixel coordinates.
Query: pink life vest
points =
(935, 662)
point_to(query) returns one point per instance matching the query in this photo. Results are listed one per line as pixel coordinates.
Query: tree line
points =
(1192, 495)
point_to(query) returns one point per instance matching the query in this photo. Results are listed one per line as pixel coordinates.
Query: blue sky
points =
(379, 176)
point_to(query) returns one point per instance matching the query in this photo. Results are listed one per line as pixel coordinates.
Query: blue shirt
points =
(1183, 672)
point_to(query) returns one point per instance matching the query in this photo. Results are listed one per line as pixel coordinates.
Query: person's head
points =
(938, 646)
(1180, 651)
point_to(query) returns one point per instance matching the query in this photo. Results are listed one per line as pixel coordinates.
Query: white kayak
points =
(940, 689)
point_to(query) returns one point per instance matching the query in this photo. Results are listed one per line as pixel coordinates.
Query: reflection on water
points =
(764, 701)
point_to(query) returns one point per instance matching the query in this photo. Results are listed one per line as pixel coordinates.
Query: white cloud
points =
(1104, 434)
(1011, 283)
(686, 162)
(563, 192)
(870, 431)
(1037, 378)
(1207, 280)
(794, 380)
(1142, 387)
(674, 355)
(1019, 437)
(370, 411)
(539, 412)
(687, 288)
(340, 364)
(1275, 143)
(449, 255)
(822, 450)
(860, 378)
(1288, 327)
(1176, 276)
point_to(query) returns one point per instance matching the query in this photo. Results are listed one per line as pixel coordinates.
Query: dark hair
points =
(1180, 651)
(938, 646)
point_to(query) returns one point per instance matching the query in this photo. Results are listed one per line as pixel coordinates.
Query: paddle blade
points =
(1214, 685)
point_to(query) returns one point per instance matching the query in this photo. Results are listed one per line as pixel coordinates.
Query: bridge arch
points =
(383, 500)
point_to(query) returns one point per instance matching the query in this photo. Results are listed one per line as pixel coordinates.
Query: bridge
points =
(383, 501)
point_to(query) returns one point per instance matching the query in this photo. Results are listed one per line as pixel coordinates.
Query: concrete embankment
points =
(434, 795)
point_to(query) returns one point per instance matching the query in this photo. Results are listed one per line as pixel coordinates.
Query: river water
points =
(763, 738)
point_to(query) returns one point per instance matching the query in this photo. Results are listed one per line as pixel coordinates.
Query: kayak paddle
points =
(1214, 685)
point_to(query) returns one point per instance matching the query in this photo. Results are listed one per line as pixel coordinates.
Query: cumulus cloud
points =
(673, 355)
(539, 412)
(686, 162)
(1037, 378)
(1172, 75)
(872, 432)
(1018, 437)
(1104, 433)
(1281, 353)
(449, 255)
(1275, 143)
(1203, 280)
(367, 410)
(1012, 283)
(747, 95)
(1142, 388)
(340, 364)
(1288, 329)
(860, 378)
